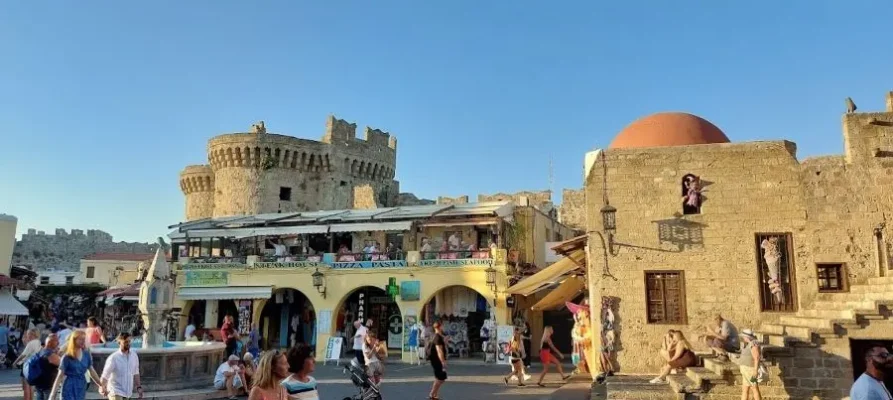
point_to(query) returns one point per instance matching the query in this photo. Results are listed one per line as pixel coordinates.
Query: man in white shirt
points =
(121, 373)
(190, 331)
(230, 377)
(870, 385)
(358, 339)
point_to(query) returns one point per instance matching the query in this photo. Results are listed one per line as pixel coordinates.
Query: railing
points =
(397, 259)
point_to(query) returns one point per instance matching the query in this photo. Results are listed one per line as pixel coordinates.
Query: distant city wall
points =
(63, 251)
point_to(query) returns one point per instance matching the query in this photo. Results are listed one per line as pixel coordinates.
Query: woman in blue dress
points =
(76, 362)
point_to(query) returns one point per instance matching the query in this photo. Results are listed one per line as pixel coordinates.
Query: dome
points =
(668, 129)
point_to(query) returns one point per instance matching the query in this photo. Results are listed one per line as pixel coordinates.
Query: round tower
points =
(258, 172)
(197, 184)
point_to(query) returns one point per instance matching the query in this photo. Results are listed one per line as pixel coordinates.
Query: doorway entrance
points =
(287, 319)
(857, 354)
(371, 303)
(462, 311)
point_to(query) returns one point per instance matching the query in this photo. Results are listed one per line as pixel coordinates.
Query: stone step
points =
(725, 369)
(633, 387)
(682, 384)
(772, 329)
(870, 288)
(823, 313)
(846, 297)
(844, 305)
(881, 280)
(703, 376)
(813, 323)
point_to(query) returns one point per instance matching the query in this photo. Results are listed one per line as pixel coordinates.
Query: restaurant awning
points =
(567, 291)
(225, 293)
(251, 232)
(10, 306)
(372, 226)
(548, 275)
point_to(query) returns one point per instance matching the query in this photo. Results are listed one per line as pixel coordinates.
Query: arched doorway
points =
(224, 308)
(196, 314)
(463, 312)
(370, 303)
(288, 318)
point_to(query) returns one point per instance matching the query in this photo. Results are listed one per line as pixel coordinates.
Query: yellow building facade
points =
(112, 269)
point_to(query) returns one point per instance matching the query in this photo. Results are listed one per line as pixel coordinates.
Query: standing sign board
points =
(503, 338)
(333, 350)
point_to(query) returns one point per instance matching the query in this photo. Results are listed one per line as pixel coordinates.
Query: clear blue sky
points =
(103, 102)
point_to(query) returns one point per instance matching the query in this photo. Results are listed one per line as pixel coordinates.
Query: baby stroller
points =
(368, 390)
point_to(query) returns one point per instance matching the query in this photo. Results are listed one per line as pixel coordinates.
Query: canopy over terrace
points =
(229, 236)
(565, 273)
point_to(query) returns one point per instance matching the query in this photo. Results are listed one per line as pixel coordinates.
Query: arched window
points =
(691, 194)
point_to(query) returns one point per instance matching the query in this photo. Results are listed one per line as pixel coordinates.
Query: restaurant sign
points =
(207, 278)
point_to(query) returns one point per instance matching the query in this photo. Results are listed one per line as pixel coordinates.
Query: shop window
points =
(831, 277)
(44, 280)
(91, 271)
(691, 194)
(69, 280)
(665, 296)
(284, 193)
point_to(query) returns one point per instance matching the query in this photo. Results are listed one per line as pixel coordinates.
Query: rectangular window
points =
(665, 296)
(91, 270)
(775, 269)
(44, 280)
(69, 280)
(831, 277)
(284, 193)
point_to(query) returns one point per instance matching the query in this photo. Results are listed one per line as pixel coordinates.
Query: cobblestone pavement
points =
(402, 382)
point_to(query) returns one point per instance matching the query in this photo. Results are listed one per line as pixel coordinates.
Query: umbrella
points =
(575, 308)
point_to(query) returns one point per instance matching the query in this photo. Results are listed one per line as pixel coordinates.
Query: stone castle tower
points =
(156, 299)
(256, 172)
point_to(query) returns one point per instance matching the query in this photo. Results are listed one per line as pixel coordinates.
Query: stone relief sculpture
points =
(259, 128)
(772, 256)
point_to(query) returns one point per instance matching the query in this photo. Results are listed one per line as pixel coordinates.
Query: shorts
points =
(747, 373)
(687, 359)
(375, 368)
(237, 383)
(545, 356)
(439, 373)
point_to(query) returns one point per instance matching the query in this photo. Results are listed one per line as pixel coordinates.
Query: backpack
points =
(32, 369)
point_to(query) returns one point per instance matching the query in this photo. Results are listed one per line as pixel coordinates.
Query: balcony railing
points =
(455, 259)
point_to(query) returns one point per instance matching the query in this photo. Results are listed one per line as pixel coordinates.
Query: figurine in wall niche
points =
(772, 256)
(691, 195)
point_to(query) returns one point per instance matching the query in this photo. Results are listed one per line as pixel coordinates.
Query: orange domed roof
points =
(668, 129)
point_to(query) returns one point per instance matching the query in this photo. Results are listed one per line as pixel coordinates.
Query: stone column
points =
(211, 308)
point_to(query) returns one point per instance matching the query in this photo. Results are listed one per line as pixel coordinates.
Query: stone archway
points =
(374, 303)
(462, 310)
(288, 317)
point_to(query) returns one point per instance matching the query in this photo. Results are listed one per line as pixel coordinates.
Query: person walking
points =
(272, 368)
(749, 364)
(372, 351)
(878, 367)
(49, 368)
(526, 341)
(121, 373)
(95, 335)
(516, 350)
(358, 339)
(437, 356)
(75, 364)
(32, 338)
(547, 352)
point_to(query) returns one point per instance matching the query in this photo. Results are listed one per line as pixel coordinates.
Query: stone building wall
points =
(452, 200)
(537, 199)
(834, 207)
(572, 211)
(251, 173)
(64, 251)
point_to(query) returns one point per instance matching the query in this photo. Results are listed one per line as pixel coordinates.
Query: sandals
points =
(540, 384)
(506, 380)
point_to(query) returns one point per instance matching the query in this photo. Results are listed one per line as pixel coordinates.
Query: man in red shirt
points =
(229, 335)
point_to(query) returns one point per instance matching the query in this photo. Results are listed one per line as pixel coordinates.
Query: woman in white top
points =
(374, 351)
(32, 338)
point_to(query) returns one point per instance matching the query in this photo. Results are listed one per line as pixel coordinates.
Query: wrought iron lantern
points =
(609, 221)
(319, 282)
(491, 278)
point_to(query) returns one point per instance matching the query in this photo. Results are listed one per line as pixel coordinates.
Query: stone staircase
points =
(792, 349)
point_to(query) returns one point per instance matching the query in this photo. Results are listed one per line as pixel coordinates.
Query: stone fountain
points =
(165, 365)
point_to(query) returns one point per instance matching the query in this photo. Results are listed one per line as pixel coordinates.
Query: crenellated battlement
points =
(257, 171)
(197, 178)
